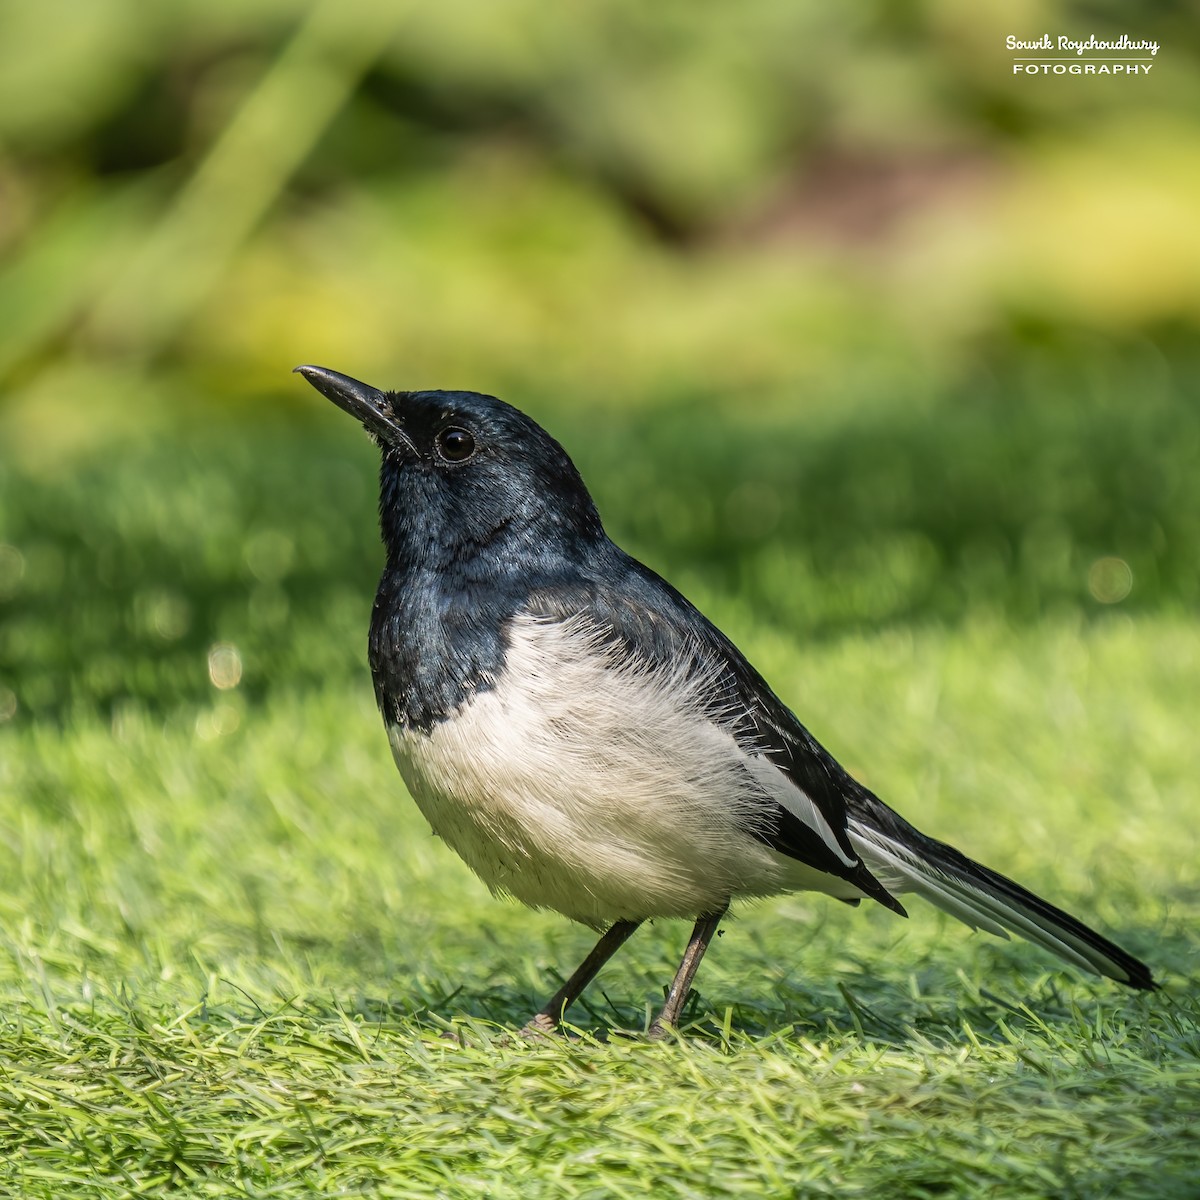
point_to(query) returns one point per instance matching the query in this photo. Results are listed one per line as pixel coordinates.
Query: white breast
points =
(591, 786)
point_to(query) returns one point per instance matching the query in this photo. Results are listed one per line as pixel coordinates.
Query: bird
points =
(587, 741)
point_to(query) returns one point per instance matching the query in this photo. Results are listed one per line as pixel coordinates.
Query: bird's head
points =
(464, 473)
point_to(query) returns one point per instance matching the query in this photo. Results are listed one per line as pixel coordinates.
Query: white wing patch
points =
(798, 802)
(587, 783)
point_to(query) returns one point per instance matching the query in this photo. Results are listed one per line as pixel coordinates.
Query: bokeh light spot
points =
(218, 721)
(224, 666)
(169, 615)
(1110, 579)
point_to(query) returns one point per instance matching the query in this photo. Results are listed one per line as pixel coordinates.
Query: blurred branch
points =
(186, 254)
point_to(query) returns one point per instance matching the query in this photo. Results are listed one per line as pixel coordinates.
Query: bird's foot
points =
(538, 1028)
(542, 1027)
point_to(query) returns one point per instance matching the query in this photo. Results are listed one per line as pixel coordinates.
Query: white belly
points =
(595, 789)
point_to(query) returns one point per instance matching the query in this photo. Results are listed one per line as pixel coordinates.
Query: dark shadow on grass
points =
(937, 1006)
(875, 1012)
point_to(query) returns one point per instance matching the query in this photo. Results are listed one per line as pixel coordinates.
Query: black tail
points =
(905, 860)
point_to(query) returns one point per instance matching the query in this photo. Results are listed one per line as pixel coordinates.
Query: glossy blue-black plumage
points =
(466, 546)
(513, 530)
(484, 519)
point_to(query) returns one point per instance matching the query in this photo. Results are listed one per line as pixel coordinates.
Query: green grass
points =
(230, 949)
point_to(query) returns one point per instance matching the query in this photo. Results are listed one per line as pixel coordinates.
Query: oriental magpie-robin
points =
(585, 739)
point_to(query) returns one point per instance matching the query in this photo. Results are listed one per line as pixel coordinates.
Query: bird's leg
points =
(610, 942)
(702, 934)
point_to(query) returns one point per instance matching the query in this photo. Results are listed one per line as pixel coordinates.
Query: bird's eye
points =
(455, 445)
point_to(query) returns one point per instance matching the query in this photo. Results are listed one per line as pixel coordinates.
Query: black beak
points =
(363, 402)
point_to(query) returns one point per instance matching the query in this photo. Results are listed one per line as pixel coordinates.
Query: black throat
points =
(453, 581)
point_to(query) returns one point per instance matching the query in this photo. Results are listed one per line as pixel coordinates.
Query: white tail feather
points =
(902, 868)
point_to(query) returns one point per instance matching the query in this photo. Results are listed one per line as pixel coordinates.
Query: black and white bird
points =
(586, 740)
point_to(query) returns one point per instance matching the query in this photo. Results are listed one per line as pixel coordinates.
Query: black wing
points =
(651, 619)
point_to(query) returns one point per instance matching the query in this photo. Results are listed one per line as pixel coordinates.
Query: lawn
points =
(231, 952)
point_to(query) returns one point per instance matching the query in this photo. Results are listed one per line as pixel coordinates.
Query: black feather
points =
(471, 546)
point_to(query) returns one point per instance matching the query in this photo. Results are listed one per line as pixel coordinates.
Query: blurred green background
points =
(838, 315)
